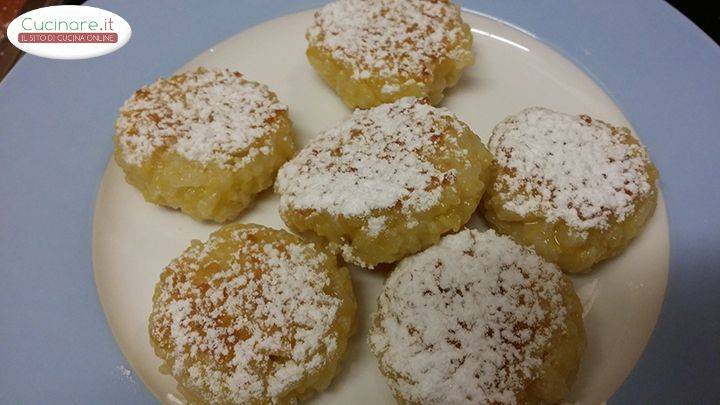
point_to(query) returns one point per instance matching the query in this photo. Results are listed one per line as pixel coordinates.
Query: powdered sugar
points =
(205, 116)
(389, 88)
(395, 39)
(569, 168)
(377, 159)
(376, 225)
(249, 326)
(465, 320)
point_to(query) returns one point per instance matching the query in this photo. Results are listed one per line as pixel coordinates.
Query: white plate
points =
(134, 240)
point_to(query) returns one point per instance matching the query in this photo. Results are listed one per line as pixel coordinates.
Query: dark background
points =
(705, 14)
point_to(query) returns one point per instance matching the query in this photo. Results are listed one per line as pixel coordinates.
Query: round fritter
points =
(478, 319)
(387, 182)
(254, 316)
(576, 189)
(205, 142)
(377, 51)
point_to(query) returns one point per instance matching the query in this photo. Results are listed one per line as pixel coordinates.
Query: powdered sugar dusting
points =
(377, 159)
(389, 88)
(396, 39)
(205, 116)
(569, 168)
(376, 225)
(464, 321)
(246, 328)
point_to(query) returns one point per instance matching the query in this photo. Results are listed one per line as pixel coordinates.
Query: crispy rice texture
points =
(478, 318)
(253, 315)
(576, 189)
(377, 51)
(386, 183)
(204, 142)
